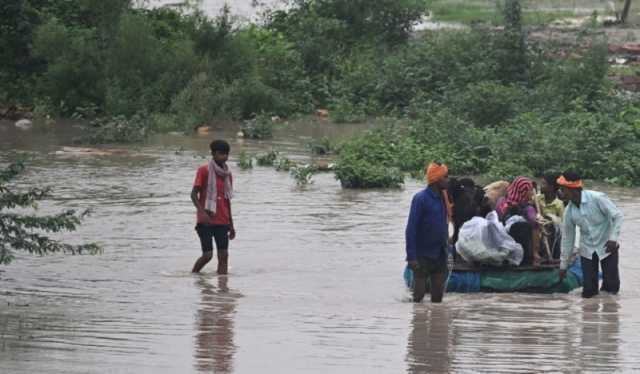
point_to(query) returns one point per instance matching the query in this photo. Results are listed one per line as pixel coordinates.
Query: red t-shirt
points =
(222, 216)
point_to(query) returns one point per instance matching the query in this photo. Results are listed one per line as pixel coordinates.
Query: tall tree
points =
(512, 55)
(625, 11)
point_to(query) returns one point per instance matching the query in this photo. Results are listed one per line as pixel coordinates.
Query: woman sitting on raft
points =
(518, 212)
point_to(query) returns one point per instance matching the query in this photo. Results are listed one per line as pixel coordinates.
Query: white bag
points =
(486, 241)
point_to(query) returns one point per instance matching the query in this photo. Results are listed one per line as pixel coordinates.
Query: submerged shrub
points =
(303, 174)
(356, 173)
(268, 159)
(118, 129)
(245, 161)
(259, 127)
(284, 164)
(321, 147)
(369, 161)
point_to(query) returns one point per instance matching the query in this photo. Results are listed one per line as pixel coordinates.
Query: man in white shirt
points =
(600, 222)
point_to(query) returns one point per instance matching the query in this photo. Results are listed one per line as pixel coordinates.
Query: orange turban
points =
(436, 172)
(569, 184)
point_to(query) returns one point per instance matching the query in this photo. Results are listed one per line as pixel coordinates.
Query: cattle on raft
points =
(468, 201)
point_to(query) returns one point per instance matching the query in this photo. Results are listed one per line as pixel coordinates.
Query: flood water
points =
(242, 8)
(315, 281)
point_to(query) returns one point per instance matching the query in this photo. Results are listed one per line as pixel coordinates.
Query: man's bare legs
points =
(436, 287)
(419, 287)
(202, 261)
(223, 262)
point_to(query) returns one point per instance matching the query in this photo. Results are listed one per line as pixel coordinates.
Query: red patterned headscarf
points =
(519, 191)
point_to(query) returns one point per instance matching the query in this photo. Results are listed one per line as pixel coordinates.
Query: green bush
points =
(433, 65)
(273, 51)
(259, 127)
(303, 174)
(204, 99)
(511, 51)
(604, 145)
(284, 164)
(145, 71)
(118, 129)
(591, 143)
(489, 103)
(321, 147)
(354, 87)
(356, 173)
(245, 161)
(75, 65)
(384, 20)
(249, 96)
(369, 161)
(451, 139)
(268, 159)
(557, 82)
(344, 110)
(196, 104)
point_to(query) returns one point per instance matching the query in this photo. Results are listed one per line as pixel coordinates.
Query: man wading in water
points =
(427, 234)
(599, 222)
(211, 195)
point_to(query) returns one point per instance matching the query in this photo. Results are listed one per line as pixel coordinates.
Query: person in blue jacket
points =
(427, 234)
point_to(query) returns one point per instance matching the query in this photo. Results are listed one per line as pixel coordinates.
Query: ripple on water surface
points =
(314, 286)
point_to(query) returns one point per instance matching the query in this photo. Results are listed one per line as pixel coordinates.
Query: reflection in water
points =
(494, 335)
(429, 350)
(600, 336)
(214, 347)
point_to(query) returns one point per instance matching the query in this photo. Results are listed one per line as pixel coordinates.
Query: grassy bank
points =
(491, 12)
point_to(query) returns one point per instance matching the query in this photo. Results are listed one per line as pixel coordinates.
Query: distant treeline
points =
(482, 100)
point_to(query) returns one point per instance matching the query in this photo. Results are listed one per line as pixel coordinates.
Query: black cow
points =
(468, 201)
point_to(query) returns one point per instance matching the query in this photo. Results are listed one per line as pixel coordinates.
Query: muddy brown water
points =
(315, 282)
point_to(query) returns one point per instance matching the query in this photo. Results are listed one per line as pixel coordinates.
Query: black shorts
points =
(430, 266)
(208, 233)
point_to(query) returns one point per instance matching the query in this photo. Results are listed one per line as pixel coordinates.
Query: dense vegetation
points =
(178, 68)
(482, 100)
(489, 103)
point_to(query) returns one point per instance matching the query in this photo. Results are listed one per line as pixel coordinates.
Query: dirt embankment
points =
(623, 45)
